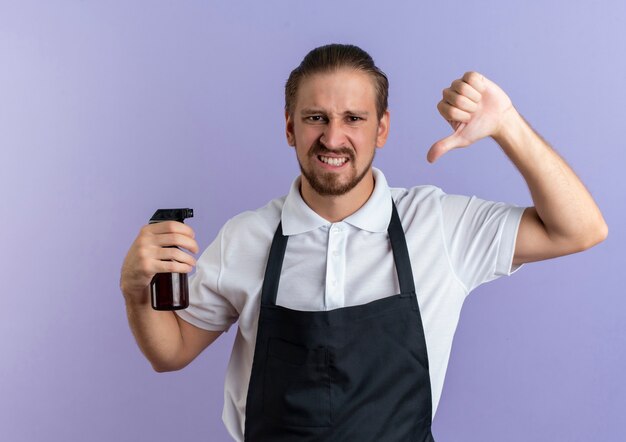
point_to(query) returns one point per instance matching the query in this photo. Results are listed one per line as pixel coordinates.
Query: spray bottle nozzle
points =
(171, 215)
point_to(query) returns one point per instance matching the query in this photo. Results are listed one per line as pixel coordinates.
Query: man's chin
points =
(329, 184)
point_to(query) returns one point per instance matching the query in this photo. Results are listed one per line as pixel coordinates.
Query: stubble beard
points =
(329, 183)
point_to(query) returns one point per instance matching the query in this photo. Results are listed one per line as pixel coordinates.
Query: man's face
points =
(335, 130)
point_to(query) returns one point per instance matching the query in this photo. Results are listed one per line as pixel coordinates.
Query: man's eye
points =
(315, 118)
(354, 119)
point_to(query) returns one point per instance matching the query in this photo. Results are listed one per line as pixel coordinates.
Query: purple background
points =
(109, 110)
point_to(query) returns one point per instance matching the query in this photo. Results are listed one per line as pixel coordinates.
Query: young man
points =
(348, 292)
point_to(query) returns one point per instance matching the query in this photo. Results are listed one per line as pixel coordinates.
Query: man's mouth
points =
(333, 161)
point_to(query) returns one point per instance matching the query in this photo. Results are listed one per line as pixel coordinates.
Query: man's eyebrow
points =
(357, 113)
(313, 111)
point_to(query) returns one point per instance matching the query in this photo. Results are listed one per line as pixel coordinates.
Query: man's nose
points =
(333, 136)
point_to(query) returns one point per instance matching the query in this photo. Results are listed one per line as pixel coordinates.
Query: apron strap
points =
(398, 245)
(274, 266)
(400, 252)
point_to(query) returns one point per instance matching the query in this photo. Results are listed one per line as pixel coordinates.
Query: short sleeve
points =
(480, 237)
(208, 308)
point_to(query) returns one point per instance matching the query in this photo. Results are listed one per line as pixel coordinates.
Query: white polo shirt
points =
(455, 244)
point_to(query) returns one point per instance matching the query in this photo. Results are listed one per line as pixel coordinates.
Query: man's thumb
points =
(441, 147)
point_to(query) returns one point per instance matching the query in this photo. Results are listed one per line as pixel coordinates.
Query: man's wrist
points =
(510, 129)
(136, 298)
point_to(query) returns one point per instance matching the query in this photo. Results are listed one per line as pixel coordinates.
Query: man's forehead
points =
(347, 88)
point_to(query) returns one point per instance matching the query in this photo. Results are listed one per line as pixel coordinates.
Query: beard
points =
(330, 183)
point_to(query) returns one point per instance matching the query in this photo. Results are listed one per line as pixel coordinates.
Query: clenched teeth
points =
(332, 161)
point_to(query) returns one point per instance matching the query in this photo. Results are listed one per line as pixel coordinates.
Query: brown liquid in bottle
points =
(169, 291)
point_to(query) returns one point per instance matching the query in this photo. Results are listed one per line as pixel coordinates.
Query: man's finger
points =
(178, 240)
(476, 80)
(452, 113)
(170, 227)
(466, 90)
(459, 101)
(442, 146)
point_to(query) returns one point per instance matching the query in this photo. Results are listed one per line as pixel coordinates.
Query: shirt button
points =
(334, 282)
(336, 229)
(335, 253)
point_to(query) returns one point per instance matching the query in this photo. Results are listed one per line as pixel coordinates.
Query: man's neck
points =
(338, 208)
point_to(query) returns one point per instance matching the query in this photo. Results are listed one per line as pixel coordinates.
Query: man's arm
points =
(565, 218)
(167, 341)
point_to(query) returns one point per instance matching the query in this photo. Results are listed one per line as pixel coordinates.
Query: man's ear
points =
(291, 137)
(383, 130)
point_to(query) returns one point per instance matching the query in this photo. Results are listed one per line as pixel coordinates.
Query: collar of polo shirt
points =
(297, 217)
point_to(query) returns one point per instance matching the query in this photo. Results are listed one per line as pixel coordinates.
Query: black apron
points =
(351, 374)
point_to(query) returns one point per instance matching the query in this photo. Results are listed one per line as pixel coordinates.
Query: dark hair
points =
(333, 57)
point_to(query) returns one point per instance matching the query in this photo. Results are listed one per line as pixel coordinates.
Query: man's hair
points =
(333, 57)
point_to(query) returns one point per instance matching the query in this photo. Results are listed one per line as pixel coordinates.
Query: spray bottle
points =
(170, 291)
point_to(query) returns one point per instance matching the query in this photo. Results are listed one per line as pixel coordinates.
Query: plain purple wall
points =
(109, 110)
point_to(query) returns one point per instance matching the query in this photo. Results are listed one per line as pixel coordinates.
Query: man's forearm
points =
(564, 205)
(157, 334)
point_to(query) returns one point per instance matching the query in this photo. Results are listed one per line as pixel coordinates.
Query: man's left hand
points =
(476, 108)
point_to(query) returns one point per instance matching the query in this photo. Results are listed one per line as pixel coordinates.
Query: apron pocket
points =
(296, 390)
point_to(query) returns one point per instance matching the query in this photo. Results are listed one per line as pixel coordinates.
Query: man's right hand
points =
(152, 253)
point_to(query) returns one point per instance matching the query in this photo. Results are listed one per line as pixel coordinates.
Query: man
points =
(347, 292)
